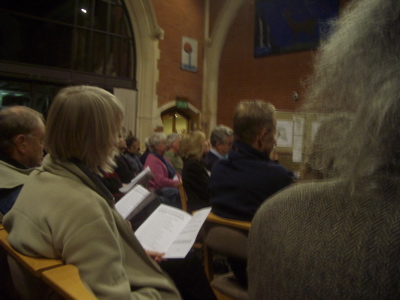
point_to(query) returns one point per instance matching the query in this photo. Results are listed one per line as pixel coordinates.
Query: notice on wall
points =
(189, 54)
(285, 133)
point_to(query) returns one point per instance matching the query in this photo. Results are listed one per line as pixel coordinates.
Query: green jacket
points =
(62, 213)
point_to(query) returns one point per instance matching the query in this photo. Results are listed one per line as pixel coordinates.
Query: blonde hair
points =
(83, 124)
(192, 145)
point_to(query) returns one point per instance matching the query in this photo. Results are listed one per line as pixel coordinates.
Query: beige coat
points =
(11, 177)
(62, 213)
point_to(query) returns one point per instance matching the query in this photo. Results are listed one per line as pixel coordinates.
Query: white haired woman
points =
(166, 180)
(65, 212)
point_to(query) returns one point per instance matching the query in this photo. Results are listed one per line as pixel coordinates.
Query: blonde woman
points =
(195, 177)
(65, 212)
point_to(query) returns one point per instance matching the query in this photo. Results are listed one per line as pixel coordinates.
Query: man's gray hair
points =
(219, 134)
(172, 137)
(14, 121)
(155, 139)
(358, 73)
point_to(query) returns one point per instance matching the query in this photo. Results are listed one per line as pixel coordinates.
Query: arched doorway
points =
(180, 120)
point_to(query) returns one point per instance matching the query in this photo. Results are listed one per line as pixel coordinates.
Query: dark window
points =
(77, 36)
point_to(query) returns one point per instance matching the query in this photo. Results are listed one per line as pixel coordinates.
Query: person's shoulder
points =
(193, 163)
(302, 194)
(277, 167)
(210, 157)
(151, 158)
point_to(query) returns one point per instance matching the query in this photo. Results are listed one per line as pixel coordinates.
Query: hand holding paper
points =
(171, 231)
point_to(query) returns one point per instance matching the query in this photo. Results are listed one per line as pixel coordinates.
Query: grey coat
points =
(321, 240)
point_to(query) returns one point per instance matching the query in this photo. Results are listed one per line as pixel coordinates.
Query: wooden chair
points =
(227, 237)
(34, 265)
(66, 282)
(49, 276)
(183, 197)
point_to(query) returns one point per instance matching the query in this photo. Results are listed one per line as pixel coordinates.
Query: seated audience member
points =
(65, 212)
(173, 144)
(132, 154)
(21, 150)
(338, 238)
(242, 182)
(166, 181)
(195, 177)
(221, 143)
(124, 168)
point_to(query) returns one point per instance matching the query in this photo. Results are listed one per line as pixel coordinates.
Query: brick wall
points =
(179, 18)
(272, 78)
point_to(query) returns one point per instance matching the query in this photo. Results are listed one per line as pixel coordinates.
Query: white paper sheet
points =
(171, 230)
(131, 200)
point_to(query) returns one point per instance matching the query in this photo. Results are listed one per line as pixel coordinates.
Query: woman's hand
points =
(156, 256)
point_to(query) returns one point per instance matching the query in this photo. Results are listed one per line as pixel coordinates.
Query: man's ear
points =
(20, 143)
(261, 138)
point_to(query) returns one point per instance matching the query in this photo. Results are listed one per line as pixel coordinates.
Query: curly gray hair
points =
(358, 73)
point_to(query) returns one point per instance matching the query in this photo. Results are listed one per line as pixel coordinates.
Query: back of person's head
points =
(155, 139)
(146, 142)
(192, 145)
(83, 124)
(14, 121)
(250, 118)
(130, 140)
(172, 137)
(219, 134)
(358, 72)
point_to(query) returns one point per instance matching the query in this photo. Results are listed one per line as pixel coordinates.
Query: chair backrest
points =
(228, 237)
(214, 219)
(34, 265)
(43, 278)
(66, 282)
(227, 240)
(183, 195)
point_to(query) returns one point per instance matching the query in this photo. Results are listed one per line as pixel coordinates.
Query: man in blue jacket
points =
(241, 183)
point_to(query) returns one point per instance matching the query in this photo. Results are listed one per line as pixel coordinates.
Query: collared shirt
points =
(216, 153)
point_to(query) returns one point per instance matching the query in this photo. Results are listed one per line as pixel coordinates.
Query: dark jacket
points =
(242, 182)
(195, 181)
(124, 169)
(210, 159)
